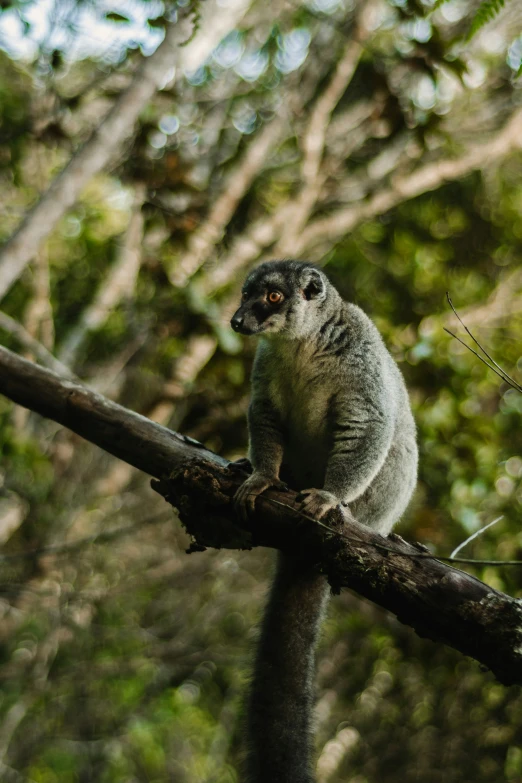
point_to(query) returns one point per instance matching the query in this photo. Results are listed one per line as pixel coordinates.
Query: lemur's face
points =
(277, 297)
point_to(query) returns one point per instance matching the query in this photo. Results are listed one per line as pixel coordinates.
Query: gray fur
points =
(330, 413)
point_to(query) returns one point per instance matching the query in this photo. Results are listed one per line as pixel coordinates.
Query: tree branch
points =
(438, 601)
(314, 138)
(405, 187)
(106, 141)
(123, 433)
(202, 241)
(119, 283)
(29, 342)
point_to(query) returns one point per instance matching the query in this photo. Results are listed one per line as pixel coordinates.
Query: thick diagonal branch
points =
(438, 601)
(105, 143)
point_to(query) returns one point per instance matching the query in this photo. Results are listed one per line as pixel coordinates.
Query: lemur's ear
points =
(314, 286)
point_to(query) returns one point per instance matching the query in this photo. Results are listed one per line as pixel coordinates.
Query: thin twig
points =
(452, 334)
(499, 370)
(476, 534)
(395, 551)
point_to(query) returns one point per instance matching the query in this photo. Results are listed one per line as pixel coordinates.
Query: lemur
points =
(330, 415)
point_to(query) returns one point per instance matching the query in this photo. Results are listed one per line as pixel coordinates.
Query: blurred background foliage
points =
(126, 660)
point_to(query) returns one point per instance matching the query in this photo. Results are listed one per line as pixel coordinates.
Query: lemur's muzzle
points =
(241, 323)
(236, 322)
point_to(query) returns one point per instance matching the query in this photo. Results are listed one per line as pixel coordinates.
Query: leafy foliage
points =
(127, 661)
(485, 13)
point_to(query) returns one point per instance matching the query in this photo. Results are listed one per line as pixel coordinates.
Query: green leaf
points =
(486, 12)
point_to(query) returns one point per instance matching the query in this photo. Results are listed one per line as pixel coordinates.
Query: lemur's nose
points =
(237, 322)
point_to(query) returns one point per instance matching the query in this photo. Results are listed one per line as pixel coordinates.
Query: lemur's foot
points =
(317, 503)
(245, 497)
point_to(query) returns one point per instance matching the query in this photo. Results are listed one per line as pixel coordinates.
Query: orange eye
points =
(275, 297)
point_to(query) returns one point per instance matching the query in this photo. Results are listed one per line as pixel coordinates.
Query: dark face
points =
(275, 296)
(262, 307)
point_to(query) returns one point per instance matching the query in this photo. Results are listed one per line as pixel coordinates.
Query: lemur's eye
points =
(275, 297)
(244, 296)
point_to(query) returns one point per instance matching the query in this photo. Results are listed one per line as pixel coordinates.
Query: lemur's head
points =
(282, 297)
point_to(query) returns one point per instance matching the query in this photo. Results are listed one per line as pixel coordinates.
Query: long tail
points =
(280, 708)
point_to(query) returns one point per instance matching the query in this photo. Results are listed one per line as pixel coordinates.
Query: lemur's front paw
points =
(317, 502)
(245, 497)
